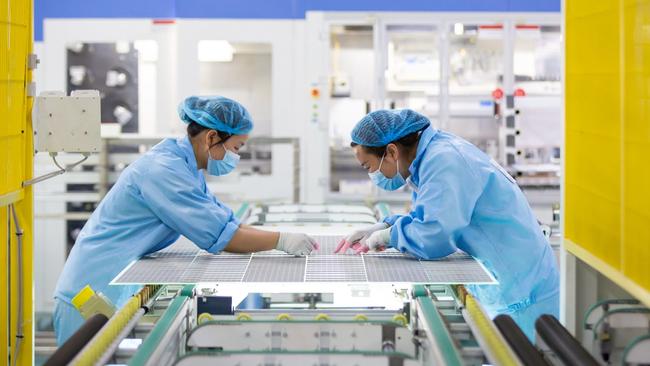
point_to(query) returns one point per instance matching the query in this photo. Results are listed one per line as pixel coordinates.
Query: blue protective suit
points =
(156, 199)
(464, 200)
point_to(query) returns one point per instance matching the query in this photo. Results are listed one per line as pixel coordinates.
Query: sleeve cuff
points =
(394, 237)
(226, 235)
(390, 220)
(235, 220)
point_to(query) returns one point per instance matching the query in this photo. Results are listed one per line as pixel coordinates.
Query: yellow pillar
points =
(16, 152)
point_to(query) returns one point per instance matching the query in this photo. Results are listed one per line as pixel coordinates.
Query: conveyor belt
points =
(445, 350)
(562, 343)
(495, 347)
(518, 341)
(101, 343)
(160, 343)
(66, 352)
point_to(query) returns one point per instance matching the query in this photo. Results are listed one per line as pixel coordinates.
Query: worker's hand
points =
(376, 242)
(296, 243)
(353, 240)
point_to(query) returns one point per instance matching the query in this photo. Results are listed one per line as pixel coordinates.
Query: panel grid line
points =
(365, 269)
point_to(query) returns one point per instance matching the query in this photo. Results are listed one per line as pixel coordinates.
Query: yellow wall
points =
(15, 167)
(607, 176)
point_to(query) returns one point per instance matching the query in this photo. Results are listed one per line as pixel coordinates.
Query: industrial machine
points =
(350, 322)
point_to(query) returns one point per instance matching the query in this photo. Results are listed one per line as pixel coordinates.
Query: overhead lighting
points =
(215, 51)
(459, 29)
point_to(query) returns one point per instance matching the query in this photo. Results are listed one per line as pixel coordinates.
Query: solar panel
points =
(335, 268)
(184, 263)
(276, 269)
(305, 208)
(311, 217)
(394, 268)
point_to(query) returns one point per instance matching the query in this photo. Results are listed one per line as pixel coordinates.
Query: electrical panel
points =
(67, 123)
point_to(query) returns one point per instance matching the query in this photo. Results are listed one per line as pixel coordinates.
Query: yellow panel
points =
(607, 176)
(12, 106)
(13, 169)
(11, 66)
(636, 193)
(637, 249)
(591, 31)
(4, 279)
(578, 9)
(15, 166)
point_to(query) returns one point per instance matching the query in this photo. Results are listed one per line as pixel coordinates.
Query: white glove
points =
(358, 236)
(296, 243)
(377, 241)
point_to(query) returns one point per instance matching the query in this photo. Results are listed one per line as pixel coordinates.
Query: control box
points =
(67, 123)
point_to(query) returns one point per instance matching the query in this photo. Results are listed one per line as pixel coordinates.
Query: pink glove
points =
(357, 237)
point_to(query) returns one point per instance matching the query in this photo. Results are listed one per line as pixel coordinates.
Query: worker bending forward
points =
(161, 196)
(464, 200)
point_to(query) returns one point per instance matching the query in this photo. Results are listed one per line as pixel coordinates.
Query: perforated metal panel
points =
(185, 263)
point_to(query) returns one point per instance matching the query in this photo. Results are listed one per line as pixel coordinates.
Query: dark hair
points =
(194, 129)
(409, 142)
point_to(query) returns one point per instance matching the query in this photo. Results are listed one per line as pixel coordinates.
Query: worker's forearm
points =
(248, 240)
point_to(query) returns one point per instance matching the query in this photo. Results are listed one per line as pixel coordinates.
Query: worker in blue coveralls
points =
(161, 196)
(462, 199)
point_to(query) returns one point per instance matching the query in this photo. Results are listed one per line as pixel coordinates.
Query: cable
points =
(57, 163)
(61, 170)
(19, 254)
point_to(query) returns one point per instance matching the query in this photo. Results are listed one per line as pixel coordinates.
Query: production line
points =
(172, 324)
(338, 183)
(437, 325)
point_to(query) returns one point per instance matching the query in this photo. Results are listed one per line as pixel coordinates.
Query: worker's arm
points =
(390, 220)
(173, 194)
(248, 239)
(447, 194)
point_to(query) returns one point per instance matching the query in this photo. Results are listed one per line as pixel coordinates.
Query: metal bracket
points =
(30, 89)
(32, 61)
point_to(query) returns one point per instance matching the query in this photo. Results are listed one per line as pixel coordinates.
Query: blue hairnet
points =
(380, 128)
(216, 113)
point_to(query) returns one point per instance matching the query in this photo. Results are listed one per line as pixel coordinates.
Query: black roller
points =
(518, 341)
(77, 341)
(562, 343)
